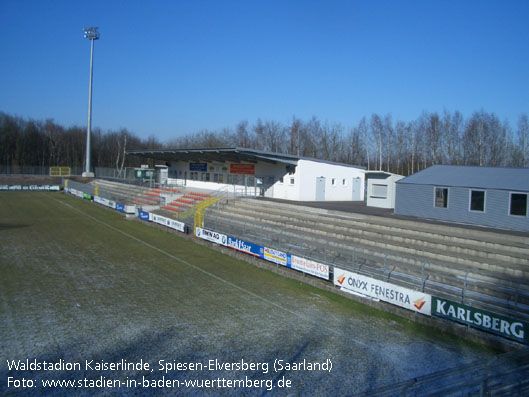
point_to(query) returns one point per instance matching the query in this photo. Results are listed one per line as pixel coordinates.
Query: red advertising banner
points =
(242, 169)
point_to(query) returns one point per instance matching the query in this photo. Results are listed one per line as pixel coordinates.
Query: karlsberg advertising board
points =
(366, 286)
(482, 319)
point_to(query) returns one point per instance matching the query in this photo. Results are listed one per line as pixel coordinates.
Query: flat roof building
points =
(485, 196)
(260, 173)
(381, 188)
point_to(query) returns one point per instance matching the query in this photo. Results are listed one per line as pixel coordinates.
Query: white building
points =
(261, 173)
(381, 187)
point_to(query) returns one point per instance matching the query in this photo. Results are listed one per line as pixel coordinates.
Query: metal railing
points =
(467, 286)
(503, 375)
(100, 172)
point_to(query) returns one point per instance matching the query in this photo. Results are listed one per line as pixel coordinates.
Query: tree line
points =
(45, 143)
(377, 142)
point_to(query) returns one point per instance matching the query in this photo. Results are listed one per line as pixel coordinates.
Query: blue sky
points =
(171, 68)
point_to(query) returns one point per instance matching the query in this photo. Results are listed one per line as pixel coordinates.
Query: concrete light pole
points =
(90, 34)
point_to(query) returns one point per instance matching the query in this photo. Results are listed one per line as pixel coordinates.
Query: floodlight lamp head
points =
(91, 33)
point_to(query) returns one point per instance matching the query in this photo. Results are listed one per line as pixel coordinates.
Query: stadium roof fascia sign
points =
(221, 155)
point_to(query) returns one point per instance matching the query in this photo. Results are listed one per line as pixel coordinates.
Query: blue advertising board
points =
(120, 207)
(198, 167)
(143, 215)
(246, 247)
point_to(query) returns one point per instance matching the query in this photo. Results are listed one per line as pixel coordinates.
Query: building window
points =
(333, 181)
(477, 200)
(379, 191)
(291, 181)
(344, 182)
(441, 197)
(518, 204)
(281, 180)
(205, 176)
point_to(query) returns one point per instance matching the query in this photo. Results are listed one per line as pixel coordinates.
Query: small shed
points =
(381, 188)
(484, 196)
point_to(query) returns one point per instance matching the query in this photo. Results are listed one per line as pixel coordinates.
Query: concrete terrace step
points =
(401, 236)
(377, 241)
(342, 243)
(512, 245)
(449, 231)
(314, 245)
(497, 292)
(120, 188)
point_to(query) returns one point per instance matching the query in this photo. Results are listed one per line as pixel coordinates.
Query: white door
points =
(357, 189)
(320, 188)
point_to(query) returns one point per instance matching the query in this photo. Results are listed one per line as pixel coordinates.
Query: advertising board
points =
(309, 266)
(76, 193)
(104, 201)
(362, 285)
(31, 187)
(482, 319)
(273, 255)
(242, 169)
(144, 215)
(244, 246)
(212, 236)
(203, 167)
(171, 223)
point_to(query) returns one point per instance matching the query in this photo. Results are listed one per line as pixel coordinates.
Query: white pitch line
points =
(259, 297)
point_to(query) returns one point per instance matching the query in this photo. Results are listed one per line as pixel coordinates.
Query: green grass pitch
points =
(80, 282)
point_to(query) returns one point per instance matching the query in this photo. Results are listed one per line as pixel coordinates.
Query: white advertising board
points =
(104, 201)
(361, 285)
(275, 256)
(162, 220)
(77, 193)
(310, 267)
(30, 187)
(212, 236)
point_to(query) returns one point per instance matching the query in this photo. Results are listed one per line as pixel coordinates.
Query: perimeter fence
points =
(127, 174)
(479, 289)
(503, 375)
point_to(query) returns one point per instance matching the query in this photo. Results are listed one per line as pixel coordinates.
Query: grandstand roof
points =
(233, 154)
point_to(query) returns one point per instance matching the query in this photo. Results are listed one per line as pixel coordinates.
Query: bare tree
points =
(388, 135)
(242, 135)
(402, 131)
(122, 147)
(523, 140)
(295, 136)
(363, 131)
(377, 132)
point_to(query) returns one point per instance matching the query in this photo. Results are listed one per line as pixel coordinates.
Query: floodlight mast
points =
(90, 34)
